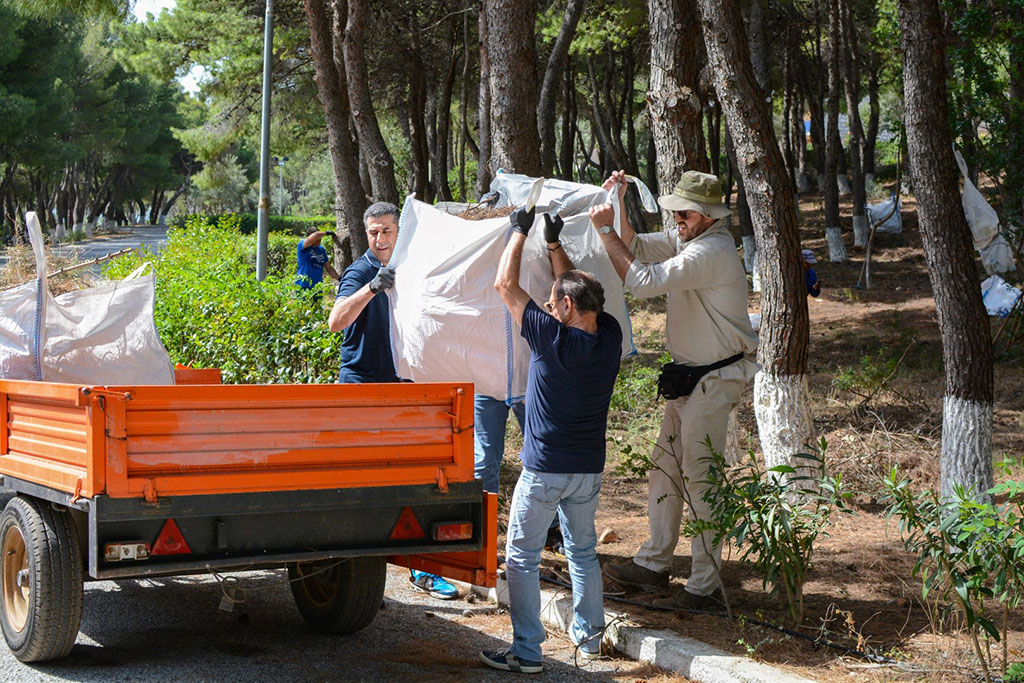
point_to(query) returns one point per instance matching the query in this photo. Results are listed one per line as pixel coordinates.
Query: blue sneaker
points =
(433, 584)
(506, 661)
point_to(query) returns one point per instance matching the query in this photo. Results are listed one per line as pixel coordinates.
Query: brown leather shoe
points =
(629, 573)
(685, 600)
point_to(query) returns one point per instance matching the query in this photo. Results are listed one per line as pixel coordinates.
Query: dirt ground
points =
(860, 591)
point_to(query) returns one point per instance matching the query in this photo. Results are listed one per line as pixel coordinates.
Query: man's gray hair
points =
(379, 209)
(582, 288)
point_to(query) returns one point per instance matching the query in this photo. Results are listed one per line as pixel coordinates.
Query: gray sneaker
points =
(629, 573)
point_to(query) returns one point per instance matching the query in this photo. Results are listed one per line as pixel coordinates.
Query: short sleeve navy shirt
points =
(310, 265)
(366, 349)
(569, 387)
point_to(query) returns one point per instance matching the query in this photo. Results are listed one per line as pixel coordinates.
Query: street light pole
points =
(262, 217)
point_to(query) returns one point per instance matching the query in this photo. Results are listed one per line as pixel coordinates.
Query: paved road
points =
(172, 629)
(152, 237)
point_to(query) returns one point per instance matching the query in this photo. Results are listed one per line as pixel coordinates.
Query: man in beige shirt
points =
(708, 331)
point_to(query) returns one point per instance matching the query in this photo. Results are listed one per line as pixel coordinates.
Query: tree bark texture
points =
(672, 100)
(379, 162)
(324, 22)
(483, 173)
(851, 80)
(963, 322)
(784, 334)
(836, 248)
(557, 62)
(512, 55)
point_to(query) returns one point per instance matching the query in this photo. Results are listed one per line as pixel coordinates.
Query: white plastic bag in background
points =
(997, 256)
(894, 223)
(999, 296)
(100, 335)
(982, 218)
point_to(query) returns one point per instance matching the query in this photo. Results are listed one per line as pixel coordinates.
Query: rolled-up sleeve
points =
(692, 269)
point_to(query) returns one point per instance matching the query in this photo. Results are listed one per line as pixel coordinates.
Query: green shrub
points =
(773, 519)
(246, 222)
(212, 312)
(968, 550)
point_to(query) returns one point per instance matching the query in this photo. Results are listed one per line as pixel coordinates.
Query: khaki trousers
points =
(678, 478)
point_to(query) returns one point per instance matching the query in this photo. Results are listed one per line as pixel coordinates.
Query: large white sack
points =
(999, 296)
(982, 218)
(997, 256)
(894, 223)
(562, 196)
(100, 335)
(450, 324)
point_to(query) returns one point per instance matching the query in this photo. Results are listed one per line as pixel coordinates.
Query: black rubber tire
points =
(338, 596)
(52, 608)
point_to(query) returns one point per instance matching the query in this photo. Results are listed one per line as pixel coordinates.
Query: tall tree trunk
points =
(483, 173)
(442, 133)
(672, 100)
(463, 104)
(963, 323)
(379, 162)
(833, 232)
(781, 400)
(871, 136)
(565, 156)
(418, 145)
(511, 49)
(557, 62)
(851, 78)
(713, 117)
(324, 23)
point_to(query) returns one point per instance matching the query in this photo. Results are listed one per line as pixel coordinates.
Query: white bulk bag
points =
(982, 218)
(999, 296)
(997, 256)
(894, 223)
(100, 335)
(449, 322)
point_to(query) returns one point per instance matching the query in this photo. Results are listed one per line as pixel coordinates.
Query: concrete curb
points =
(664, 649)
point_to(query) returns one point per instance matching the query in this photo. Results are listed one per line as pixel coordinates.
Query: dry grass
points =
(21, 268)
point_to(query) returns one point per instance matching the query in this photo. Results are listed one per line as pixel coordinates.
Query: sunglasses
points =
(550, 305)
(685, 215)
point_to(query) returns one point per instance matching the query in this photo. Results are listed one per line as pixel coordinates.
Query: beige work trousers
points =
(678, 455)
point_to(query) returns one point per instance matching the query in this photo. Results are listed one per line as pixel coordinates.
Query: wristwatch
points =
(605, 229)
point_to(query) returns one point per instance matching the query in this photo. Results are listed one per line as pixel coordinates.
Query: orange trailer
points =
(330, 481)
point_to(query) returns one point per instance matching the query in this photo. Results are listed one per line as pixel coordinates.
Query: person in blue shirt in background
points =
(574, 359)
(810, 277)
(312, 259)
(361, 310)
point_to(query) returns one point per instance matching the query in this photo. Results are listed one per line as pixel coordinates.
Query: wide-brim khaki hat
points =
(700, 192)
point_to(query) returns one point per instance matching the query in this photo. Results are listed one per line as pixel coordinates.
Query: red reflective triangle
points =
(407, 526)
(170, 541)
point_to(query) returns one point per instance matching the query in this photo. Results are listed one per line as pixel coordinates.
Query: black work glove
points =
(384, 279)
(331, 234)
(522, 220)
(552, 228)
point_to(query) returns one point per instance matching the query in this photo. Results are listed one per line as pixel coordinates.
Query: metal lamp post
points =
(262, 208)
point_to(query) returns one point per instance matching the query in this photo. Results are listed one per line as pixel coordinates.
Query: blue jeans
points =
(489, 418)
(537, 498)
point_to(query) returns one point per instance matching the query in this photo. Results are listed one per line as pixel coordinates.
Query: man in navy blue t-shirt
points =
(574, 358)
(312, 260)
(361, 310)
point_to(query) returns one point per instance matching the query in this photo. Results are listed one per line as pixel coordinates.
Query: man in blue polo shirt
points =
(312, 260)
(574, 358)
(361, 310)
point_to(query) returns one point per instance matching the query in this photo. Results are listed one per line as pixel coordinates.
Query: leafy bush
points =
(212, 312)
(774, 520)
(246, 222)
(967, 550)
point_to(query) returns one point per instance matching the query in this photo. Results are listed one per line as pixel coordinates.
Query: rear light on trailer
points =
(170, 541)
(452, 531)
(126, 551)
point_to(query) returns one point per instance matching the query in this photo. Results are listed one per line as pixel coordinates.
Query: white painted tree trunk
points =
(59, 233)
(861, 229)
(88, 229)
(836, 247)
(802, 184)
(755, 275)
(749, 252)
(734, 442)
(782, 406)
(821, 182)
(869, 183)
(844, 184)
(966, 446)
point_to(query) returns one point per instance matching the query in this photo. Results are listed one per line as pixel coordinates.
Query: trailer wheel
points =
(338, 596)
(42, 580)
